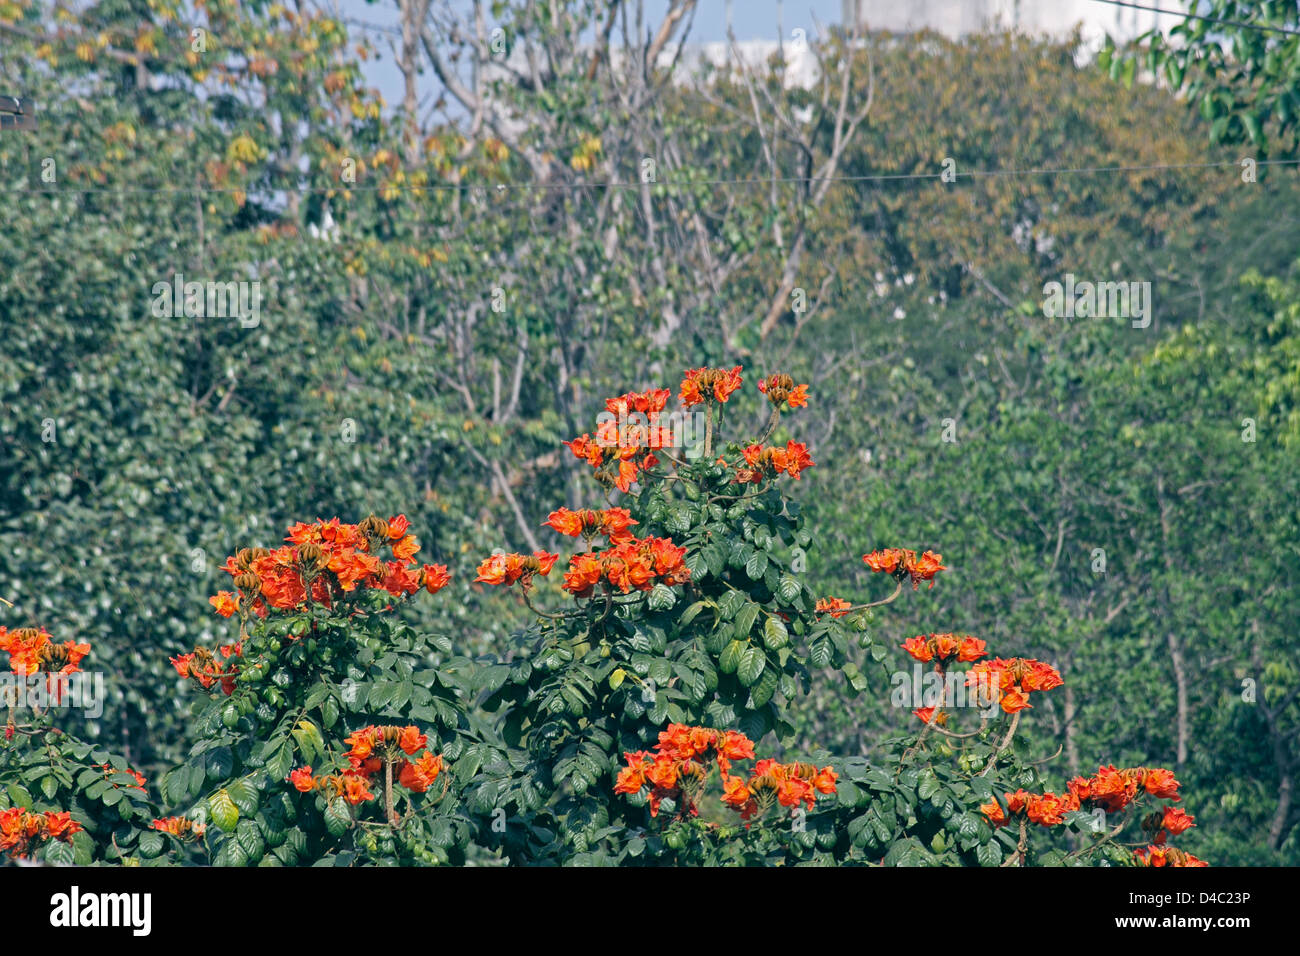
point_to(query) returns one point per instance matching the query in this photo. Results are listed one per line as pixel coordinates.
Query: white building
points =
(955, 18)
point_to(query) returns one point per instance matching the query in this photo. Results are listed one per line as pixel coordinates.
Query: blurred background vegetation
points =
(1104, 504)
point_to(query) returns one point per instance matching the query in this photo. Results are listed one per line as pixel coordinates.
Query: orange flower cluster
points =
(633, 564)
(325, 559)
(781, 390)
(787, 784)
(613, 523)
(382, 743)
(1016, 678)
(32, 651)
(943, 648)
(183, 828)
(765, 462)
(835, 607)
(614, 463)
(678, 767)
(206, 668)
(371, 748)
(635, 421)
(352, 785)
(23, 830)
(1113, 789)
(1166, 856)
(703, 385)
(901, 563)
(1045, 809)
(509, 568)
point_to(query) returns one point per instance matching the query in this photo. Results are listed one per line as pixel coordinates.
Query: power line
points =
(636, 184)
(376, 27)
(1197, 16)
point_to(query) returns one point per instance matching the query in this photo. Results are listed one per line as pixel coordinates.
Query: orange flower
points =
(362, 743)
(945, 646)
(435, 577)
(762, 463)
(1166, 856)
(888, 560)
(509, 568)
(824, 780)
(406, 548)
(925, 568)
(1049, 810)
(782, 391)
(837, 607)
(734, 793)
(703, 385)
(180, 827)
(420, 774)
(225, 603)
(323, 560)
(302, 779)
(632, 778)
(411, 740)
(632, 564)
(1108, 788)
(571, 523)
(32, 651)
(1160, 783)
(356, 789)
(22, 830)
(919, 648)
(993, 811)
(1177, 821)
(1016, 678)
(662, 773)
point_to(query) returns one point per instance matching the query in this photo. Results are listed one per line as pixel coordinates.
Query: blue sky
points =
(751, 20)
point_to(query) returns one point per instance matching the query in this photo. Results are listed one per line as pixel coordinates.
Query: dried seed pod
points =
(374, 527)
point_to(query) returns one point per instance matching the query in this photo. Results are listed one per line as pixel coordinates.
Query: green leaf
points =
(820, 652)
(763, 690)
(928, 785)
(661, 598)
(729, 660)
(308, 736)
(989, 854)
(250, 840)
(751, 665)
(337, 817)
(691, 613)
(756, 566)
(222, 810)
(244, 797)
(775, 635)
(745, 619)
(59, 853)
(789, 589)
(151, 844)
